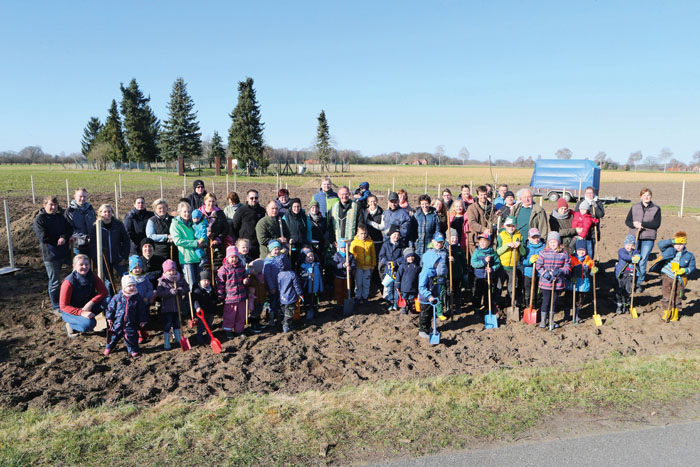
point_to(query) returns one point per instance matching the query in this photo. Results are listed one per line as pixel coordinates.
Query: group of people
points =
(268, 265)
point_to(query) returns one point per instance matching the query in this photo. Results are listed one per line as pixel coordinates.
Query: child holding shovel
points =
(553, 265)
(627, 259)
(676, 264)
(459, 269)
(144, 287)
(204, 296)
(312, 281)
(510, 249)
(533, 246)
(582, 266)
(172, 290)
(232, 281)
(407, 279)
(485, 262)
(342, 260)
(271, 268)
(126, 314)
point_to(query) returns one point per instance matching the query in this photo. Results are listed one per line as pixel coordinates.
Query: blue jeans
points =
(645, 247)
(53, 269)
(191, 271)
(79, 323)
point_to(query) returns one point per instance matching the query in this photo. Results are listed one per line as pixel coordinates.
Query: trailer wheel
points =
(567, 197)
(553, 196)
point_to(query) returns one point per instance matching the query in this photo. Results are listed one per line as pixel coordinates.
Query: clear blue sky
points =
(502, 78)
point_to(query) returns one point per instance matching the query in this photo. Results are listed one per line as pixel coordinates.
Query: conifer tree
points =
(90, 134)
(113, 136)
(323, 142)
(245, 139)
(180, 135)
(216, 149)
(140, 124)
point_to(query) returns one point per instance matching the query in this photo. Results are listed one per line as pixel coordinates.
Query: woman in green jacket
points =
(183, 237)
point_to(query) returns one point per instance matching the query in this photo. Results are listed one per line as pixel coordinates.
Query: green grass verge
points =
(411, 417)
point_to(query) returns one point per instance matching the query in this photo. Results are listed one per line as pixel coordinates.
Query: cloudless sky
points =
(506, 78)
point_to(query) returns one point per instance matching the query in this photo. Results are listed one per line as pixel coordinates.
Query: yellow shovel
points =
(633, 310)
(596, 317)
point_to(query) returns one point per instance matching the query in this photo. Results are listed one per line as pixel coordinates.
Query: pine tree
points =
(113, 136)
(180, 135)
(140, 124)
(323, 142)
(216, 149)
(245, 137)
(90, 134)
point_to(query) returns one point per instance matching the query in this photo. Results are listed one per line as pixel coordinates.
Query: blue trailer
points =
(555, 178)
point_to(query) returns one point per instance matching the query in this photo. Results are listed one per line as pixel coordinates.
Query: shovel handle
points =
(200, 315)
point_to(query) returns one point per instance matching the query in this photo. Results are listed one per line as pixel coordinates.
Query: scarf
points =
(556, 215)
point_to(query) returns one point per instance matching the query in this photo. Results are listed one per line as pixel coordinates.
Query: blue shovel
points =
(434, 335)
(490, 320)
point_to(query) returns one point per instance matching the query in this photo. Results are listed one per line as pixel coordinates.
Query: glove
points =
(675, 267)
(681, 271)
(558, 273)
(636, 258)
(594, 270)
(173, 291)
(533, 259)
(547, 276)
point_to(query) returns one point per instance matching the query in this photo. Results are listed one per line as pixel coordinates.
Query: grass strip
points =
(409, 417)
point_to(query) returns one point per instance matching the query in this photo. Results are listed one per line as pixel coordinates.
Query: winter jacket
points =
(668, 254)
(538, 219)
(407, 277)
(597, 208)
(479, 264)
(325, 200)
(553, 262)
(126, 313)
(158, 229)
(218, 225)
(206, 300)
(144, 286)
(342, 221)
(339, 263)
(165, 289)
(423, 227)
(427, 286)
(81, 219)
(478, 218)
(461, 225)
(649, 216)
(283, 208)
(501, 215)
(135, 223)
(319, 231)
(272, 267)
(49, 228)
(624, 265)
(507, 255)
(436, 259)
(362, 199)
(585, 222)
(185, 241)
(229, 282)
(289, 287)
(400, 217)
(373, 223)
(532, 249)
(299, 228)
(459, 265)
(363, 251)
(390, 253)
(115, 242)
(229, 212)
(580, 274)
(311, 277)
(153, 268)
(243, 226)
(77, 290)
(196, 201)
(563, 225)
(268, 229)
(201, 230)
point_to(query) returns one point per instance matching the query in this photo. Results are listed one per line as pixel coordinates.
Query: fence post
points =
(116, 201)
(161, 187)
(98, 234)
(426, 182)
(184, 185)
(120, 186)
(682, 198)
(67, 195)
(227, 192)
(9, 236)
(33, 193)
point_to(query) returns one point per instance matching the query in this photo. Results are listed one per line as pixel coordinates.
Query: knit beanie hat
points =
(197, 214)
(168, 265)
(562, 204)
(197, 183)
(127, 280)
(231, 251)
(313, 203)
(341, 243)
(147, 241)
(453, 233)
(135, 260)
(581, 244)
(408, 252)
(393, 228)
(205, 274)
(629, 240)
(271, 245)
(554, 236)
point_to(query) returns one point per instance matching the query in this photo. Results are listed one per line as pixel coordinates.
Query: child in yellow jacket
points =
(362, 248)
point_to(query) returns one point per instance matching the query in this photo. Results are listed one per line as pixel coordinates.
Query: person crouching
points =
(126, 314)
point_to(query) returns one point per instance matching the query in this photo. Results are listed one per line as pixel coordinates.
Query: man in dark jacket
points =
(152, 263)
(196, 199)
(245, 219)
(53, 231)
(396, 215)
(81, 216)
(135, 224)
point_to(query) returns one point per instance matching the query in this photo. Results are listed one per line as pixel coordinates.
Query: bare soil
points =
(41, 367)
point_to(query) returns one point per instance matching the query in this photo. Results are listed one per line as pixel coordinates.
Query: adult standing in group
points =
(325, 197)
(597, 209)
(135, 223)
(218, 226)
(457, 219)
(560, 221)
(152, 263)
(447, 199)
(196, 198)
(81, 216)
(245, 220)
(271, 227)
(54, 232)
(480, 216)
(372, 219)
(343, 217)
(500, 200)
(403, 201)
(506, 208)
(83, 295)
(182, 233)
(529, 215)
(441, 212)
(466, 196)
(398, 216)
(115, 246)
(283, 202)
(234, 202)
(424, 225)
(644, 218)
(319, 230)
(299, 229)
(158, 230)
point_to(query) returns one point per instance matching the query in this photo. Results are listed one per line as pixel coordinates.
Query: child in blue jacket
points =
(486, 264)
(390, 257)
(533, 246)
(126, 314)
(627, 259)
(200, 226)
(407, 279)
(312, 281)
(144, 287)
(271, 267)
(676, 264)
(289, 294)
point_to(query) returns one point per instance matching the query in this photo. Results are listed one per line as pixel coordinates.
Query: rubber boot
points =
(674, 314)
(166, 344)
(620, 304)
(177, 335)
(543, 319)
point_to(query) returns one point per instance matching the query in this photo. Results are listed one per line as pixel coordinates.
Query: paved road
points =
(672, 445)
